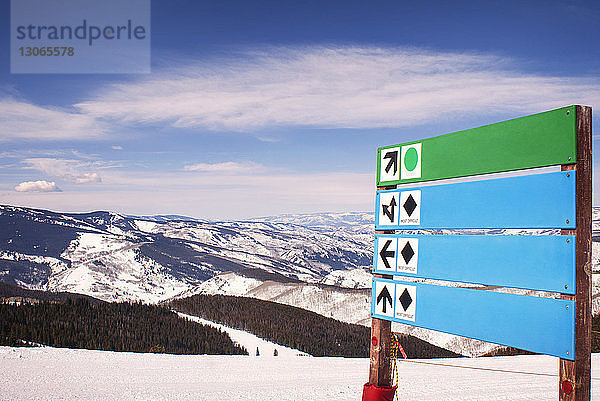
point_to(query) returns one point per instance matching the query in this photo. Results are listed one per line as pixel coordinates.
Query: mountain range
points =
(319, 262)
(117, 257)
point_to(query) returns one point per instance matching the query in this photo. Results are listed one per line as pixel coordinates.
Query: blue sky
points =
(260, 108)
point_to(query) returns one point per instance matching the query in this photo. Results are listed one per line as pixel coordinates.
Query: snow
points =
(351, 278)
(57, 374)
(225, 284)
(146, 226)
(98, 261)
(56, 265)
(249, 340)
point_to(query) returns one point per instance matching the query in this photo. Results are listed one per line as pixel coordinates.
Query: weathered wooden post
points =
(575, 375)
(380, 373)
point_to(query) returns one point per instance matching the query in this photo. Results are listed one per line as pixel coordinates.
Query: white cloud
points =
(88, 177)
(22, 120)
(117, 147)
(225, 167)
(66, 169)
(338, 87)
(37, 186)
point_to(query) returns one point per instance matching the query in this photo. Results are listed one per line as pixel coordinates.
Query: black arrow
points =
(385, 254)
(385, 295)
(386, 209)
(393, 156)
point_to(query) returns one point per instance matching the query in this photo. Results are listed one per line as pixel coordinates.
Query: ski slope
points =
(248, 340)
(67, 374)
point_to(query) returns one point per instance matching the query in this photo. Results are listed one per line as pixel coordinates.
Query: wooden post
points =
(574, 376)
(380, 371)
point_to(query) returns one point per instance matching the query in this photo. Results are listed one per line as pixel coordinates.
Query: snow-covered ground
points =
(66, 374)
(249, 340)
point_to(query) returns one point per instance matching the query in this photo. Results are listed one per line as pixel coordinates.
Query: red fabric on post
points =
(373, 393)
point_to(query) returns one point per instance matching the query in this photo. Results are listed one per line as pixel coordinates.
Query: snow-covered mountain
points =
(118, 257)
(319, 262)
(356, 221)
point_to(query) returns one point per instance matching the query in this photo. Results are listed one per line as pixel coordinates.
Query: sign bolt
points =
(568, 112)
(567, 306)
(566, 286)
(567, 221)
(568, 174)
(569, 157)
(568, 240)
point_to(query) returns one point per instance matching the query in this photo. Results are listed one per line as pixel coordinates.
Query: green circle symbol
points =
(411, 157)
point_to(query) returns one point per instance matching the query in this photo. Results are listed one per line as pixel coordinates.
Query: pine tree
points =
(124, 326)
(294, 327)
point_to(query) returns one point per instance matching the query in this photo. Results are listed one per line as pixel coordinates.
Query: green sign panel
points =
(539, 140)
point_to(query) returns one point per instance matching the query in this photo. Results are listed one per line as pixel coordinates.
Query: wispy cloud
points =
(314, 86)
(76, 171)
(225, 167)
(337, 87)
(23, 120)
(37, 186)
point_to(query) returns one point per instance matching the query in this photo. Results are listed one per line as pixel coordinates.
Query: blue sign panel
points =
(543, 325)
(533, 201)
(537, 262)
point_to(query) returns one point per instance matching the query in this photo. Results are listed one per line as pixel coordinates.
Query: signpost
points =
(535, 262)
(532, 201)
(542, 325)
(559, 326)
(540, 140)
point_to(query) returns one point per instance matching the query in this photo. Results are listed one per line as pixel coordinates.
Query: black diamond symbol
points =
(410, 205)
(407, 252)
(405, 299)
